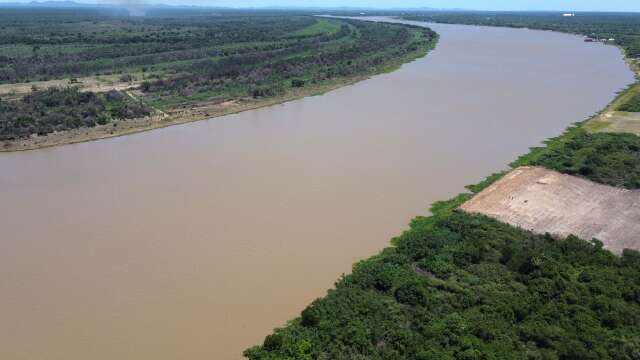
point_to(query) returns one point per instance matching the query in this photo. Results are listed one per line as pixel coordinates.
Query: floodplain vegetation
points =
(170, 62)
(60, 109)
(465, 286)
(633, 103)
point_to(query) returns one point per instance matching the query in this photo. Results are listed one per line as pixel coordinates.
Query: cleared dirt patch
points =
(612, 119)
(100, 84)
(616, 122)
(543, 200)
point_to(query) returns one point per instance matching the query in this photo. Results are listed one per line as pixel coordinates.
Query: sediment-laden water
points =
(194, 241)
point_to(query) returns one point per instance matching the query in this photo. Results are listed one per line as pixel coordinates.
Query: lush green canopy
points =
(460, 286)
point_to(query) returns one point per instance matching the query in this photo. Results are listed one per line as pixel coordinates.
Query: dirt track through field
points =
(543, 201)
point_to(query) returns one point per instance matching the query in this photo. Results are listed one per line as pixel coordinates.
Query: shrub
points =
(272, 342)
(309, 317)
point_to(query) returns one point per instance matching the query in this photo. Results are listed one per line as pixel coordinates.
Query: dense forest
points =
(606, 158)
(59, 109)
(179, 58)
(462, 286)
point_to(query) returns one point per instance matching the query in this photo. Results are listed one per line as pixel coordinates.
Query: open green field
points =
(320, 27)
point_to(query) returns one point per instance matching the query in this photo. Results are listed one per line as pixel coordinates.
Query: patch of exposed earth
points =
(616, 121)
(545, 201)
(95, 84)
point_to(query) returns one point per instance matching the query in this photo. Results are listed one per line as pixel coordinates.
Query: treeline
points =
(606, 158)
(623, 27)
(461, 286)
(59, 109)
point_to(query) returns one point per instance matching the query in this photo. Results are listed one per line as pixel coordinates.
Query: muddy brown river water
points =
(194, 241)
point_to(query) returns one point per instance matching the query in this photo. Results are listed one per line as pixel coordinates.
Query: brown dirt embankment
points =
(542, 200)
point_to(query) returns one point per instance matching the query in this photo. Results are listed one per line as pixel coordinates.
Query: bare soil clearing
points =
(542, 201)
(611, 120)
(102, 83)
(616, 121)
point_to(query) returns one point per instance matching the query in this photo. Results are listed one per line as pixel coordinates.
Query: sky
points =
(575, 5)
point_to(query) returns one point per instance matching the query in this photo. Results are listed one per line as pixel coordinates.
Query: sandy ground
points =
(95, 84)
(618, 121)
(610, 120)
(542, 200)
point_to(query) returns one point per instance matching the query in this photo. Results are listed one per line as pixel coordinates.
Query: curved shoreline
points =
(102, 132)
(591, 123)
(233, 106)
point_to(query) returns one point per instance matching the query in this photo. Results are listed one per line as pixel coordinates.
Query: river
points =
(195, 241)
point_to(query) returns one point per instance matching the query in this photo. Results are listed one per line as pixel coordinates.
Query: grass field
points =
(321, 26)
(630, 101)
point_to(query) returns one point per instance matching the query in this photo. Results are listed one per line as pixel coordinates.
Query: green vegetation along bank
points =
(179, 66)
(463, 286)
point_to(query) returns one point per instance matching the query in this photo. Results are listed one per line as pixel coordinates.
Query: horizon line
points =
(293, 7)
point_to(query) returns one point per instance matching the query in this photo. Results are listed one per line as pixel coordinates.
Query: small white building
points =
(568, 14)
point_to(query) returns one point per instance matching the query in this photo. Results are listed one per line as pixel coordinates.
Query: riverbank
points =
(198, 111)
